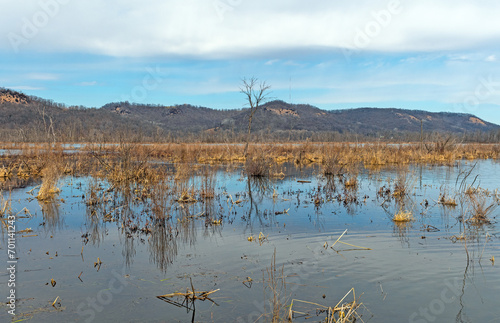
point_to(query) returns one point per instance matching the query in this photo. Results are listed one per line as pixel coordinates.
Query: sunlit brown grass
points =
(403, 216)
(129, 162)
(447, 200)
(5, 172)
(481, 205)
(258, 164)
(48, 189)
(332, 165)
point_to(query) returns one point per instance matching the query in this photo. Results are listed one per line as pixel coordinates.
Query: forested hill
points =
(28, 118)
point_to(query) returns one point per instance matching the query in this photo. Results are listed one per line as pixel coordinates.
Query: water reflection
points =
(162, 244)
(186, 226)
(15, 182)
(255, 199)
(52, 219)
(151, 218)
(128, 250)
(154, 212)
(461, 315)
(402, 231)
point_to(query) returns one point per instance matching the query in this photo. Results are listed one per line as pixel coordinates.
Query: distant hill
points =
(278, 115)
(171, 118)
(27, 118)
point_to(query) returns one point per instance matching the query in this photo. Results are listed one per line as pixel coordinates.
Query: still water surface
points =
(411, 274)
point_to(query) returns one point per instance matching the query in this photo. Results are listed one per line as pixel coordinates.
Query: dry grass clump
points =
(258, 166)
(332, 165)
(342, 312)
(377, 158)
(403, 216)
(187, 196)
(48, 189)
(476, 203)
(440, 145)
(5, 173)
(446, 200)
(129, 164)
(22, 172)
(481, 205)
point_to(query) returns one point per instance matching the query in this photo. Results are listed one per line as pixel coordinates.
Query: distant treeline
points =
(103, 128)
(31, 119)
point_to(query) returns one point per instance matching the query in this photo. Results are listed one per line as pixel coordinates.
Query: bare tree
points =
(256, 94)
(49, 129)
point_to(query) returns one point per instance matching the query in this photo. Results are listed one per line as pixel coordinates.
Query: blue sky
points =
(429, 55)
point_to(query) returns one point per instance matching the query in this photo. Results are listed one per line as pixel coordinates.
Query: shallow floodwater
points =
(413, 272)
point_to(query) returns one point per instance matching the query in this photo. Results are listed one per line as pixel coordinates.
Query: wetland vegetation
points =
(330, 232)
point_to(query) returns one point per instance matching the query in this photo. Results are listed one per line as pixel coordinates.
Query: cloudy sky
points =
(436, 55)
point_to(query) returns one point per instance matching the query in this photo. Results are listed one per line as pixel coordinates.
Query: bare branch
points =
(255, 98)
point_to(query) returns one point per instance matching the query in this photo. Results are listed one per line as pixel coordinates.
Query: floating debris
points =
(262, 238)
(340, 313)
(282, 212)
(431, 228)
(55, 301)
(98, 264)
(248, 282)
(188, 298)
(338, 240)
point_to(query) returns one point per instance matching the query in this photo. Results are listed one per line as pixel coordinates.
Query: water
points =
(409, 275)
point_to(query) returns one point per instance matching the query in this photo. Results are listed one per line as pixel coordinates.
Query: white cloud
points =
(491, 58)
(272, 61)
(243, 28)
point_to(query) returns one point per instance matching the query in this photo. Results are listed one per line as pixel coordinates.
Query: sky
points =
(434, 55)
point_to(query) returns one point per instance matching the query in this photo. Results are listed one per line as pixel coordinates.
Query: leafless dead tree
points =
(256, 94)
